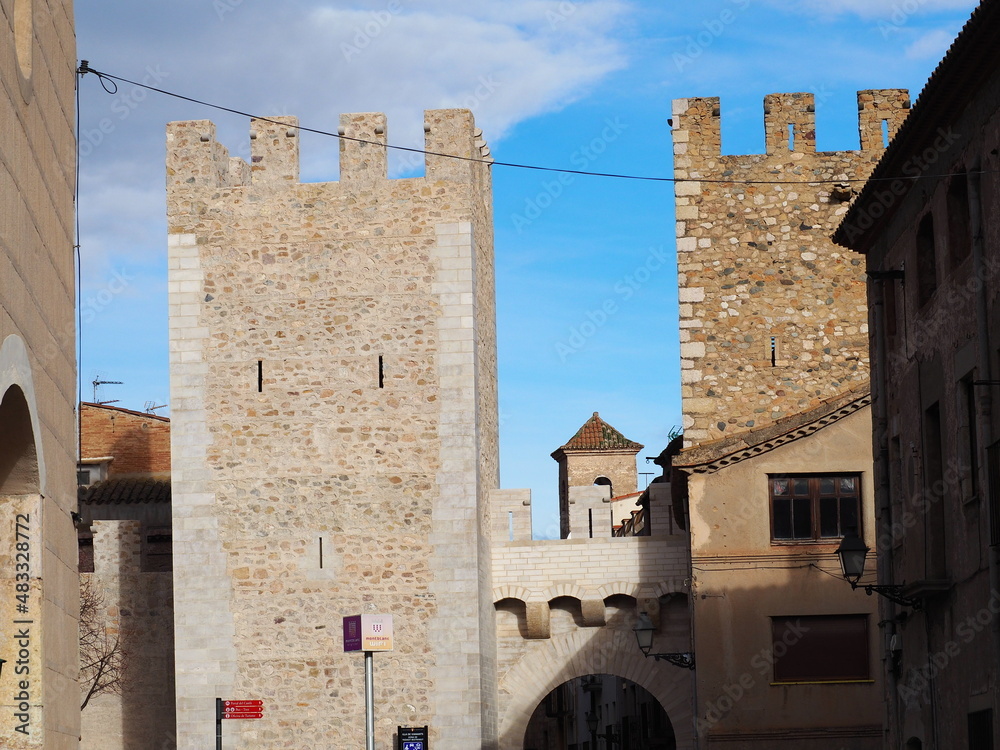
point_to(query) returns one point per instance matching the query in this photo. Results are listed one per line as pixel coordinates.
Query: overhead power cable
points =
(110, 84)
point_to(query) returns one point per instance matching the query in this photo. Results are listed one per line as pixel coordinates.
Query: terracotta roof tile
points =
(598, 435)
(125, 492)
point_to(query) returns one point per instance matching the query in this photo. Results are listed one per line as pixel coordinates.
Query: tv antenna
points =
(97, 383)
(151, 407)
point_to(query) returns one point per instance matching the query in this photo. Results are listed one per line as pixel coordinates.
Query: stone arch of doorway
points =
(551, 662)
(22, 460)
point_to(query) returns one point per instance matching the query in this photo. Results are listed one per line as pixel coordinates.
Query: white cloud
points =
(507, 61)
(931, 45)
(895, 11)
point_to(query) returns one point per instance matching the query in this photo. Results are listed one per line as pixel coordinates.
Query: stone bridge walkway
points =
(565, 608)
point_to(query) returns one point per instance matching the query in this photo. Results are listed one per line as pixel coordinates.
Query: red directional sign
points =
(246, 709)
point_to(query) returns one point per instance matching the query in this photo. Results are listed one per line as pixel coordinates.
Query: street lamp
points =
(644, 635)
(852, 552)
(611, 738)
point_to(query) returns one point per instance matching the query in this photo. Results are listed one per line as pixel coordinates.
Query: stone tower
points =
(772, 313)
(596, 456)
(775, 368)
(333, 383)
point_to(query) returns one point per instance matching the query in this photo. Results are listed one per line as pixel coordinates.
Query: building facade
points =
(126, 581)
(38, 613)
(775, 468)
(929, 227)
(566, 609)
(334, 433)
(599, 457)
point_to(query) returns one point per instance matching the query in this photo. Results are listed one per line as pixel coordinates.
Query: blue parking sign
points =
(412, 738)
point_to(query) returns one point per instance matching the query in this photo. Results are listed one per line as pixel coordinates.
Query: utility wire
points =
(79, 278)
(109, 83)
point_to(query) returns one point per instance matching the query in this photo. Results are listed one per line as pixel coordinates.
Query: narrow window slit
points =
(381, 372)
(885, 132)
(510, 525)
(321, 553)
(791, 136)
(260, 376)
(774, 351)
(590, 522)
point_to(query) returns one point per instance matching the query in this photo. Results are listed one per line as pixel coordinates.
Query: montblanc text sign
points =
(368, 633)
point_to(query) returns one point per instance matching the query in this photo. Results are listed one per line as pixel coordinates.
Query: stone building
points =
(334, 433)
(566, 609)
(124, 533)
(38, 612)
(776, 411)
(596, 456)
(929, 228)
(135, 609)
(122, 443)
(334, 451)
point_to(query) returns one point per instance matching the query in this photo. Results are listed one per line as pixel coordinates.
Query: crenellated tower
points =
(773, 315)
(334, 442)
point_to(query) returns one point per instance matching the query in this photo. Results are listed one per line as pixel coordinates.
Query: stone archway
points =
(608, 712)
(19, 473)
(22, 463)
(22, 720)
(548, 663)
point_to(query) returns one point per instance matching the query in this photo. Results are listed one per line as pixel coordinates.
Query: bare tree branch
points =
(103, 660)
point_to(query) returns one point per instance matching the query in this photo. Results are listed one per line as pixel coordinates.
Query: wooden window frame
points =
(815, 495)
(788, 635)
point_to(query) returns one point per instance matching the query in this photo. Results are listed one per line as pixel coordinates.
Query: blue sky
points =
(586, 288)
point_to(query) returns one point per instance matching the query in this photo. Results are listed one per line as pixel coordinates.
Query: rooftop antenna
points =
(97, 383)
(151, 407)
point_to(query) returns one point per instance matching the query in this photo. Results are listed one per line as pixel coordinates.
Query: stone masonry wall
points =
(38, 373)
(773, 315)
(140, 443)
(333, 362)
(566, 608)
(583, 468)
(139, 607)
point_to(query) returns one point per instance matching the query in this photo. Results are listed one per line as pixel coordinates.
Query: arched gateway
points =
(549, 663)
(565, 608)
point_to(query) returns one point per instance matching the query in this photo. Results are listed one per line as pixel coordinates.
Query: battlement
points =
(789, 122)
(196, 159)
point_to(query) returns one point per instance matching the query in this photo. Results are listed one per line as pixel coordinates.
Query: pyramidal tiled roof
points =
(598, 435)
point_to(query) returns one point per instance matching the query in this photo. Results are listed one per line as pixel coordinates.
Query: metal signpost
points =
(412, 738)
(368, 633)
(243, 709)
